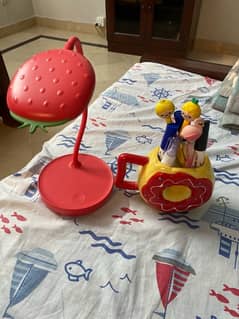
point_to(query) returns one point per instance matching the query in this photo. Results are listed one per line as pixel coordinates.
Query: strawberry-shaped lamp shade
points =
(52, 87)
(49, 89)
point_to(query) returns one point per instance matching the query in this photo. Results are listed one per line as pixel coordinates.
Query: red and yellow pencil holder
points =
(168, 189)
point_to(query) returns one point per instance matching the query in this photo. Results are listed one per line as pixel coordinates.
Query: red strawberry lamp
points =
(50, 89)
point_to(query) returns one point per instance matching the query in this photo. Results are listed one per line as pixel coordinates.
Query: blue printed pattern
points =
(128, 111)
(69, 142)
(30, 270)
(114, 139)
(127, 81)
(75, 271)
(152, 127)
(111, 286)
(161, 93)
(180, 218)
(99, 238)
(108, 249)
(130, 170)
(143, 139)
(109, 106)
(226, 177)
(32, 190)
(114, 251)
(121, 97)
(202, 100)
(150, 78)
(225, 221)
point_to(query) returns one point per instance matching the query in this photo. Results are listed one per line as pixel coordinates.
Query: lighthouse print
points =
(172, 272)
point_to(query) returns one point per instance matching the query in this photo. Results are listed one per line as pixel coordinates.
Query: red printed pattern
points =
(8, 225)
(129, 221)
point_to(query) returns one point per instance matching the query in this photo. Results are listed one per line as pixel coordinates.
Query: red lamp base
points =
(74, 190)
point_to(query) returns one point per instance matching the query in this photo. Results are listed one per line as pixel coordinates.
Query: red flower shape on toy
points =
(201, 190)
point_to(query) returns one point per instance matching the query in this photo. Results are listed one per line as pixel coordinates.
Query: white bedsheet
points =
(125, 260)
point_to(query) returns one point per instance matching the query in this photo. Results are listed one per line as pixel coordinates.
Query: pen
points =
(171, 130)
(201, 145)
(169, 155)
(191, 133)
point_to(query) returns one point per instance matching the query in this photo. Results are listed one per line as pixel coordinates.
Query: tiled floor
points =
(213, 57)
(17, 146)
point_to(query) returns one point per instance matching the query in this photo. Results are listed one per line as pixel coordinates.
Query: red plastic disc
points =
(74, 191)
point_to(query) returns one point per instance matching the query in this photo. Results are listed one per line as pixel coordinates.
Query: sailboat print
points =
(30, 270)
(115, 139)
(150, 78)
(225, 221)
(172, 273)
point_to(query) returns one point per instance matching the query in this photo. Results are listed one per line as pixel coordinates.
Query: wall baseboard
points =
(16, 27)
(51, 23)
(66, 25)
(211, 46)
(204, 45)
(69, 25)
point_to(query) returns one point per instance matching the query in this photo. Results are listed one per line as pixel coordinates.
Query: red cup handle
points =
(123, 159)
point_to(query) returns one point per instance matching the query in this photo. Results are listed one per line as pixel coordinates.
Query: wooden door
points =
(171, 26)
(4, 82)
(151, 27)
(126, 22)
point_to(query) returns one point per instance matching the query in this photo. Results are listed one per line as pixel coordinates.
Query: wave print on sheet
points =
(226, 177)
(127, 81)
(105, 247)
(180, 219)
(114, 251)
(98, 238)
(126, 277)
(109, 284)
(154, 127)
(69, 142)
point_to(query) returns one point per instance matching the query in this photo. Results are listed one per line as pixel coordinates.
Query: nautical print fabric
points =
(125, 260)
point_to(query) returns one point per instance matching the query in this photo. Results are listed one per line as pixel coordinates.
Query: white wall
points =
(218, 21)
(84, 11)
(3, 16)
(15, 10)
